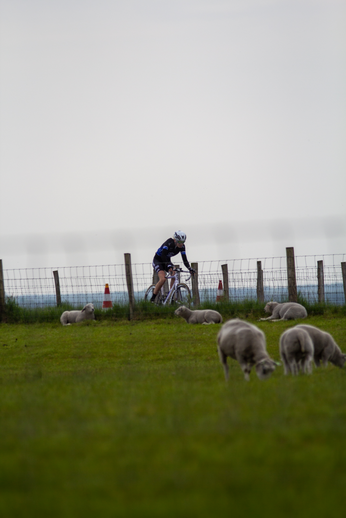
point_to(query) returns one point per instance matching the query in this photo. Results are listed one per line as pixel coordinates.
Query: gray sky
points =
(122, 121)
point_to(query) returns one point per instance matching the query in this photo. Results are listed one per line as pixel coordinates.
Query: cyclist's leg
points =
(170, 272)
(161, 272)
(161, 281)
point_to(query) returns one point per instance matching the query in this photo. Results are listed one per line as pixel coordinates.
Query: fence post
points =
(224, 268)
(320, 278)
(194, 282)
(260, 290)
(129, 282)
(2, 291)
(343, 269)
(291, 275)
(57, 287)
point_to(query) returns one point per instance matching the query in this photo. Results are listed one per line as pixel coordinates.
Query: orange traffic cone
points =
(219, 292)
(107, 303)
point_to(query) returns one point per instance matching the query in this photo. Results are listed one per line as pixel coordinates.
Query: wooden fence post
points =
(2, 291)
(260, 290)
(194, 282)
(343, 269)
(320, 278)
(291, 275)
(224, 268)
(57, 287)
(129, 282)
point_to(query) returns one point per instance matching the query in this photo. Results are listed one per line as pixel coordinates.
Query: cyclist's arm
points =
(185, 261)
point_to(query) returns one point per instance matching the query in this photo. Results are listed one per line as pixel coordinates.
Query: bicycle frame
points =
(175, 285)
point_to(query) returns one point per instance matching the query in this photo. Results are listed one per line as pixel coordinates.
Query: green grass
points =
(114, 418)
(14, 314)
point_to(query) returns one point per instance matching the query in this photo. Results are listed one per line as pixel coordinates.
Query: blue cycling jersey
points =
(167, 250)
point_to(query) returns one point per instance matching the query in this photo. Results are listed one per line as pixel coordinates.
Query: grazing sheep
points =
(296, 350)
(285, 311)
(245, 343)
(199, 316)
(325, 348)
(70, 317)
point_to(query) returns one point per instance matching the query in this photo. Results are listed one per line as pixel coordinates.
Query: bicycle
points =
(178, 294)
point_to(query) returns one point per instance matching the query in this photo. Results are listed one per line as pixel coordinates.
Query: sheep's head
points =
(340, 361)
(88, 308)
(269, 307)
(179, 310)
(264, 368)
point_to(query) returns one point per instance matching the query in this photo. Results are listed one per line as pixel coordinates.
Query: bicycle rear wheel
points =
(149, 294)
(182, 295)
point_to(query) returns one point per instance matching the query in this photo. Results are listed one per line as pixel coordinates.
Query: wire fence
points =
(35, 287)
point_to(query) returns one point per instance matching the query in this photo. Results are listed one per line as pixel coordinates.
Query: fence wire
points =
(35, 287)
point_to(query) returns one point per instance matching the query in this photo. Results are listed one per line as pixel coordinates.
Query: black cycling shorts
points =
(160, 267)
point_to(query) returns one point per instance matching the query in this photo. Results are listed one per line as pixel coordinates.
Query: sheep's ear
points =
(83, 309)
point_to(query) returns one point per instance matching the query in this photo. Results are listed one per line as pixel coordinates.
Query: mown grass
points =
(134, 419)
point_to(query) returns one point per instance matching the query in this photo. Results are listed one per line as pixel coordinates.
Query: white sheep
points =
(70, 317)
(296, 350)
(245, 343)
(284, 311)
(199, 316)
(325, 347)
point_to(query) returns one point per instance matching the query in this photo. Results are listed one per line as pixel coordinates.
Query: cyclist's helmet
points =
(179, 236)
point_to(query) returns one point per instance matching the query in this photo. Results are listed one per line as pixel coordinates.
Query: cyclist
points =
(162, 259)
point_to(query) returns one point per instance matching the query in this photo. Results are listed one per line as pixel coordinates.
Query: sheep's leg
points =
(327, 354)
(293, 367)
(226, 370)
(246, 368)
(272, 318)
(307, 365)
(325, 361)
(247, 371)
(286, 365)
(317, 362)
(223, 360)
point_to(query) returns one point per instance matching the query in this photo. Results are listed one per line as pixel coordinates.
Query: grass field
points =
(134, 419)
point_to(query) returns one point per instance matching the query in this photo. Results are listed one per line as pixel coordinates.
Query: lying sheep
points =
(285, 311)
(325, 348)
(70, 317)
(199, 316)
(245, 343)
(296, 350)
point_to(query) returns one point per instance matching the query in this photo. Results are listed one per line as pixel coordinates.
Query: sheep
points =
(245, 343)
(285, 311)
(296, 350)
(199, 316)
(70, 317)
(325, 348)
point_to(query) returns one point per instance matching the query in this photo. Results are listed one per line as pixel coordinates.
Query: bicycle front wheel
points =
(182, 295)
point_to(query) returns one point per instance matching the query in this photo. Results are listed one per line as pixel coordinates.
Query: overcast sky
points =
(122, 121)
